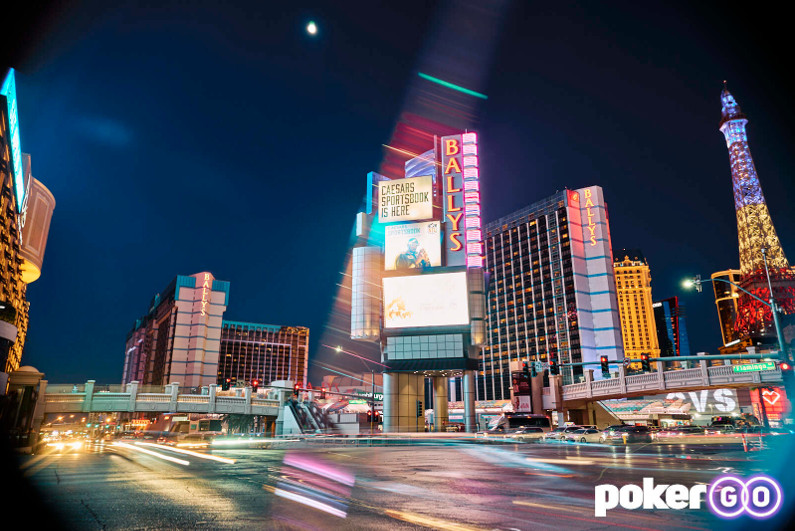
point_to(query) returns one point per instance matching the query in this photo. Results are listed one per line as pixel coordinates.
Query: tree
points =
(237, 423)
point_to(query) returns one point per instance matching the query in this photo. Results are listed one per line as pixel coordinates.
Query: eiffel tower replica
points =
(757, 236)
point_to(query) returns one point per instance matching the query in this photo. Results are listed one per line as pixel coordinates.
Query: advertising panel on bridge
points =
(405, 199)
(426, 300)
(412, 246)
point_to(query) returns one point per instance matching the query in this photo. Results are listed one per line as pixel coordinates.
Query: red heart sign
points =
(771, 397)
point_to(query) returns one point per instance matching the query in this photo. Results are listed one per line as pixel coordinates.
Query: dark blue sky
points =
(180, 139)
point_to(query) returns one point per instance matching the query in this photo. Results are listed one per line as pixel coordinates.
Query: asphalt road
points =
(438, 486)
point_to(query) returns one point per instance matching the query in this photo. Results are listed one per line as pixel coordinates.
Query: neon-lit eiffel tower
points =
(754, 226)
(755, 230)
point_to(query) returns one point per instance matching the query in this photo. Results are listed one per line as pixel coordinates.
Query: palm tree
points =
(237, 423)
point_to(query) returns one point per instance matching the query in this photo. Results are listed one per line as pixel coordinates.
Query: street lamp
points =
(697, 281)
(339, 349)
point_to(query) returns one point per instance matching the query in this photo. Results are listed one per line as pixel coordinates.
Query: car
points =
(497, 430)
(584, 435)
(677, 432)
(528, 433)
(628, 434)
(560, 433)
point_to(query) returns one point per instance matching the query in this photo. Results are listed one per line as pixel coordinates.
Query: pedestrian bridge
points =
(85, 399)
(656, 382)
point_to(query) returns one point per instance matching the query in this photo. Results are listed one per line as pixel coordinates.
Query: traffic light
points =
(225, 384)
(787, 374)
(296, 389)
(644, 363)
(254, 385)
(420, 410)
(526, 370)
(554, 368)
(534, 369)
(605, 367)
(322, 393)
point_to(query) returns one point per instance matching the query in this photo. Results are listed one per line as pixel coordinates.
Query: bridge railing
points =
(65, 399)
(661, 381)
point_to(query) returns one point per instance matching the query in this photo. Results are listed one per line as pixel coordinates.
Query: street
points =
(446, 485)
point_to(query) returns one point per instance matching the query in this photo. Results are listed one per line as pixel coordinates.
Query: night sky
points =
(201, 136)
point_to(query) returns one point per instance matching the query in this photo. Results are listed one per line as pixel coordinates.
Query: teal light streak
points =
(451, 86)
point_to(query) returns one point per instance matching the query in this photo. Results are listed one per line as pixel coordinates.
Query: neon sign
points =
(9, 90)
(463, 237)
(205, 290)
(591, 225)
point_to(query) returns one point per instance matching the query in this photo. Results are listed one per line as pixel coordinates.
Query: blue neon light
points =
(9, 90)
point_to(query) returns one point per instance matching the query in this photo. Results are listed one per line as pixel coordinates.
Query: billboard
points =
(412, 246)
(426, 300)
(405, 199)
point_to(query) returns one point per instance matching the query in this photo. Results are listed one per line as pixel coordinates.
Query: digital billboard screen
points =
(426, 300)
(412, 246)
(405, 199)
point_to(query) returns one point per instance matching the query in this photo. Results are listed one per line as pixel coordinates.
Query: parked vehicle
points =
(584, 435)
(678, 432)
(560, 433)
(528, 433)
(630, 434)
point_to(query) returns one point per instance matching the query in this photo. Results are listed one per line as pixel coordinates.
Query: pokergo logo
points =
(728, 496)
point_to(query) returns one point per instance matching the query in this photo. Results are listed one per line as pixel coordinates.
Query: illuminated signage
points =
(426, 300)
(412, 246)
(590, 215)
(9, 90)
(405, 199)
(753, 367)
(205, 293)
(460, 176)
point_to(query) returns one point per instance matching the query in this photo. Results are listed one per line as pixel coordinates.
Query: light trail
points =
(190, 452)
(309, 502)
(150, 452)
(452, 86)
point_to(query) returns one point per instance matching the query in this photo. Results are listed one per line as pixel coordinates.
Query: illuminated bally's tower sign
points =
(417, 280)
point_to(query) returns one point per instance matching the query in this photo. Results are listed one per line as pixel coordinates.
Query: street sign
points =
(752, 367)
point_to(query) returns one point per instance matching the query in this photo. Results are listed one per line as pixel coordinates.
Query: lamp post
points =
(339, 349)
(697, 281)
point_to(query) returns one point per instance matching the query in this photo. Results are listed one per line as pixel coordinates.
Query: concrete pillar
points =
(89, 395)
(173, 390)
(132, 388)
(588, 383)
(440, 402)
(537, 393)
(247, 396)
(213, 390)
(403, 400)
(622, 379)
(468, 388)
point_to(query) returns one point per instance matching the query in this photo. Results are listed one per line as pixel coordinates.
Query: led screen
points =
(426, 300)
(412, 246)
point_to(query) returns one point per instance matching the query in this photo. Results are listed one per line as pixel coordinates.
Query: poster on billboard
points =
(412, 246)
(426, 300)
(405, 199)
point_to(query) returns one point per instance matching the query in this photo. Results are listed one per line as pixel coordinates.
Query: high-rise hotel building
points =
(669, 318)
(179, 338)
(633, 284)
(551, 292)
(251, 351)
(183, 338)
